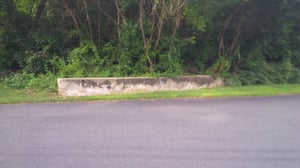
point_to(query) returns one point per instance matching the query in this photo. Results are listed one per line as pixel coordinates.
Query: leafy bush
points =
(288, 72)
(83, 61)
(258, 71)
(43, 82)
(29, 81)
(169, 66)
(17, 81)
(220, 68)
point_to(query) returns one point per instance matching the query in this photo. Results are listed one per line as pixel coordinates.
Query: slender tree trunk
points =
(106, 13)
(71, 13)
(176, 9)
(147, 42)
(236, 34)
(39, 12)
(141, 21)
(160, 23)
(88, 20)
(222, 49)
(99, 29)
(37, 16)
(75, 21)
(118, 23)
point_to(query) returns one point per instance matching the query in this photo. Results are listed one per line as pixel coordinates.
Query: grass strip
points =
(12, 96)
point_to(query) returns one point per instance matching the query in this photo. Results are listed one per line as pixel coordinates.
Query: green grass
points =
(10, 96)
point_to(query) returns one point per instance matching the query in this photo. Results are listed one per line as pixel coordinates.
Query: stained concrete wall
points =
(101, 86)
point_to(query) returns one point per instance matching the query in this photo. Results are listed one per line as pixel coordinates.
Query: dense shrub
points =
(18, 80)
(46, 82)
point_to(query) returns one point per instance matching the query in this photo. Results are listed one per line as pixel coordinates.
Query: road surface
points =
(186, 133)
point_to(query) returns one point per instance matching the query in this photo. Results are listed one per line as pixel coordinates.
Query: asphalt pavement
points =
(257, 132)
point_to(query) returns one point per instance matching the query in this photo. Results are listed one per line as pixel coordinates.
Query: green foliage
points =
(248, 42)
(130, 51)
(126, 5)
(83, 61)
(192, 16)
(220, 68)
(169, 66)
(17, 81)
(13, 27)
(288, 73)
(260, 72)
(46, 82)
(27, 7)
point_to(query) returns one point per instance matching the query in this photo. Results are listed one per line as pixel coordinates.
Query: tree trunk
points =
(141, 21)
(176, 10)
(88, 20)
(118, 23)
(147, 42)
(222, 46)
(71, 13)
(39, 12)
(37, 16)
(160, 24)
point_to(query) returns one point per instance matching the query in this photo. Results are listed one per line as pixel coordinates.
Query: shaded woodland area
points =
(245, 41)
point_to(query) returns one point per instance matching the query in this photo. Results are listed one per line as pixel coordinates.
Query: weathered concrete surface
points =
(101, 86)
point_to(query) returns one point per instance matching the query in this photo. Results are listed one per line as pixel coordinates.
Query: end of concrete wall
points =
(102, 86)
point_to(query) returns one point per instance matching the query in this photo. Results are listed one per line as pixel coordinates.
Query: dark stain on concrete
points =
(95, 83)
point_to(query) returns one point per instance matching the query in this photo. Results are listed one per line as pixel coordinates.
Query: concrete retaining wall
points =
(101, 86)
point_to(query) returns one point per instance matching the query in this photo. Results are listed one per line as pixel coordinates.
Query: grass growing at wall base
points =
(8, 96)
